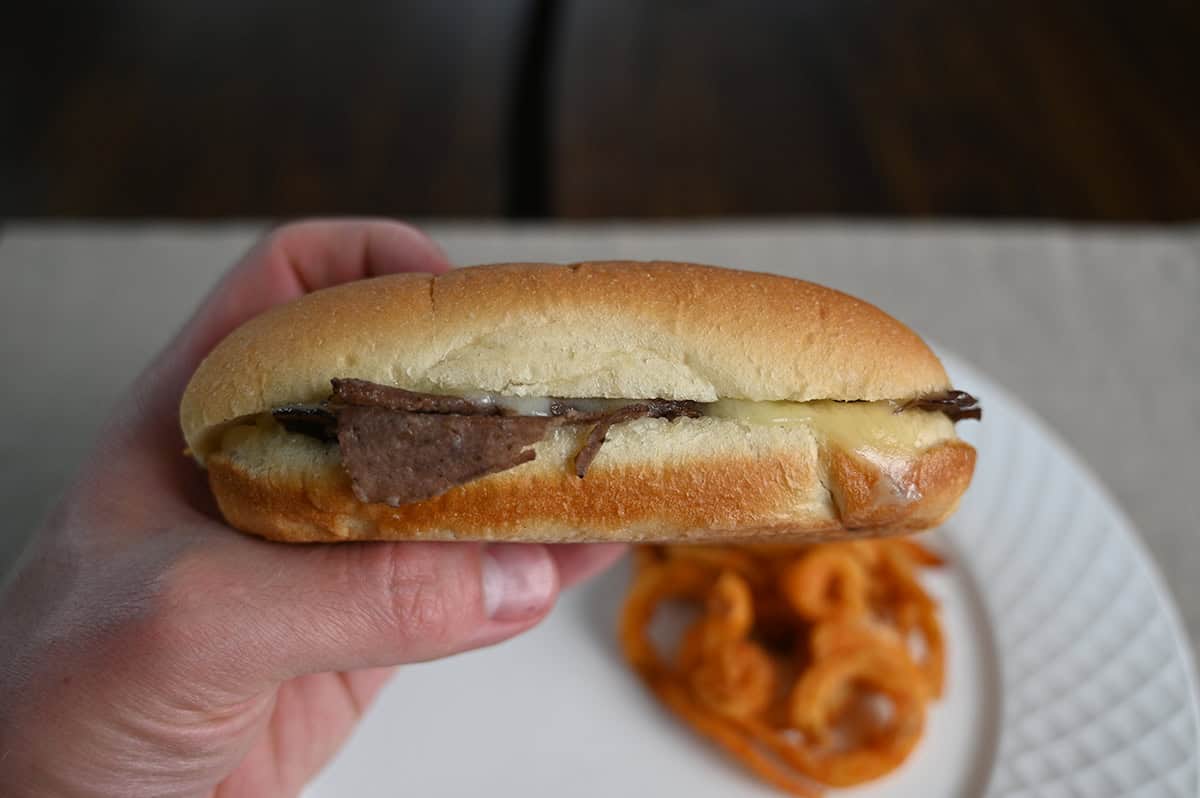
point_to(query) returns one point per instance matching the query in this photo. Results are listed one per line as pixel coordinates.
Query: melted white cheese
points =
(853, 425)
(873, 429)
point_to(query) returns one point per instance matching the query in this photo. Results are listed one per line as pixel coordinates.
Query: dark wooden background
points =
(602, 108)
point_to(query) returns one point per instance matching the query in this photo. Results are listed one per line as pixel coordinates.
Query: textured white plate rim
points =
(990, 390)
(957, 365)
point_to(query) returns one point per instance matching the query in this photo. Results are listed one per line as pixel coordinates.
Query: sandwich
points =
(606, 401)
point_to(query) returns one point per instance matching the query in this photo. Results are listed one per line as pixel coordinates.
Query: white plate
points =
(1069, 673)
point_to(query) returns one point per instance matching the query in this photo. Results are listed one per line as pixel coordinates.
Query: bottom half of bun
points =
(688, 480)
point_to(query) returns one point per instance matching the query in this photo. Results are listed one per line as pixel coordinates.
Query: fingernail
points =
(519, 581)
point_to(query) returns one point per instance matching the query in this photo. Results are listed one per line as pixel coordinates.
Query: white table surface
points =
(1097, 329)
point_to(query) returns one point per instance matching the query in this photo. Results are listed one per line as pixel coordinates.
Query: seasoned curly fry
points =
(728, 617)
(828, 581)
(793, 650)
(822, 692)
(737, 679)
(655, 584)
(917, 553)
(899, 575)
(922, 619)
(838, 635)
(730, 605)
(732, 739)
(721, 558)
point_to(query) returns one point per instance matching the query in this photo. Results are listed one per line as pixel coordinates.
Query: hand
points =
(148, 649)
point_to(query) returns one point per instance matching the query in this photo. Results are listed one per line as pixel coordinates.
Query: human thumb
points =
(256, 613)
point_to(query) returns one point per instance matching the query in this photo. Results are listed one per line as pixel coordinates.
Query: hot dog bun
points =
(746, 470)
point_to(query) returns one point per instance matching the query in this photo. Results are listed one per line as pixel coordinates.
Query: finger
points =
(362, 686)
(330, 705)
(259, 613)
(579, 561)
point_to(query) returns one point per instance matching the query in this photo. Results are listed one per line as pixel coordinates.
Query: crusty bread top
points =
(607, 329)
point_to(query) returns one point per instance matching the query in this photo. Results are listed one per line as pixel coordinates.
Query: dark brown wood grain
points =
(1069, 109)
(203, 109)
(601, 108)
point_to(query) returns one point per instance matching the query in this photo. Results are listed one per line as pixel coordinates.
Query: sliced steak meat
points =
(401, 446)
(652, 408)
(562, 408)
(401, 457)
(315, 421)
(955, 404)
(370, 394)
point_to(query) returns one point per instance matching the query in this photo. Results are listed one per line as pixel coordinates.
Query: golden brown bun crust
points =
(775, 496)
(607, 329)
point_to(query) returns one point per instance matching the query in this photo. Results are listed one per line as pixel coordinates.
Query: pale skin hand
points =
(146, 649)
